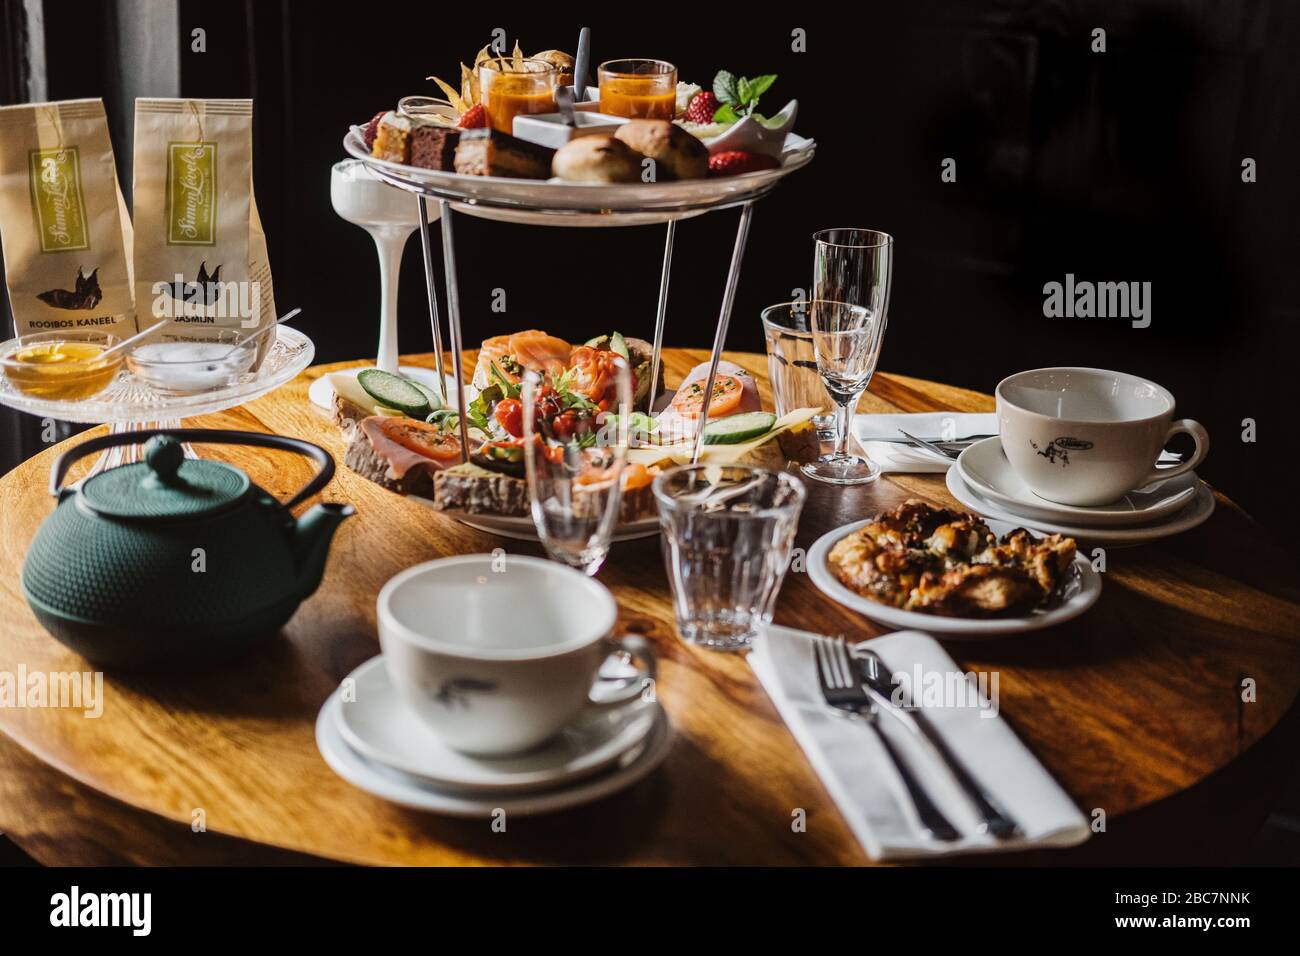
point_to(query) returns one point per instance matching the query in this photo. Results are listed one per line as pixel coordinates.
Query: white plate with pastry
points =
(983, 584)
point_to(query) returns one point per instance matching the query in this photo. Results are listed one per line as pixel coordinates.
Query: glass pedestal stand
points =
(129, 404)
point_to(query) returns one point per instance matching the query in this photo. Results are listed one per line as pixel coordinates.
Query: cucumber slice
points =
(736, 429)
(618, 344)
(435, 402)
(394, 391)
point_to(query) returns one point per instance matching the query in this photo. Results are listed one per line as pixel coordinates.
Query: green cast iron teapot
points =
(173, 560)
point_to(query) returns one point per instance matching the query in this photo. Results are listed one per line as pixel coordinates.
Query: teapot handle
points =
(210, 436)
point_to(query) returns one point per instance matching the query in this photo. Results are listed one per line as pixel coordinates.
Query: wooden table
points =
(1136, 707)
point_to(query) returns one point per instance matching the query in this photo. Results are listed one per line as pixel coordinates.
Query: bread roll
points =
(597, 159)
(677, 154)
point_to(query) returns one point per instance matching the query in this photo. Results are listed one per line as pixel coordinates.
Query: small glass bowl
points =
(62, 366)
(190, 366)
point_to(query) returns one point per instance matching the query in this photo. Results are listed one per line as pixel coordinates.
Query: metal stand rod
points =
(724, 319)
(661, 314)
(426, 244)
(453, 323)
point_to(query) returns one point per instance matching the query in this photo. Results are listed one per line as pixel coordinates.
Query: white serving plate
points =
(408, 791)
(1196, 513)
(555, 202)
(378, 726)
(1080, 594)
(986, 471)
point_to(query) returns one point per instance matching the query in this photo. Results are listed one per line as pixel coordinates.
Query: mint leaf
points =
(724, 114)
(746, 91)
(726, 89)
(759, 85)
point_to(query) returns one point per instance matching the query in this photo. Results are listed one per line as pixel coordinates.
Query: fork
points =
(843, 691)
(931, 446)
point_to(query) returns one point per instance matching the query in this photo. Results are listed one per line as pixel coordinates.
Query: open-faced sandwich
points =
(401, 436)
(921, 558)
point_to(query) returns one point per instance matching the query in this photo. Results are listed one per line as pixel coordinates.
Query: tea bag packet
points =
(200, 257)
(63, 222)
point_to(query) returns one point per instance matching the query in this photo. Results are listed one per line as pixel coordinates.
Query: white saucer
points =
(1080, 594)
(321, 392)
(405, 790)
(377, 726)
(985, 469)
(1200, 509)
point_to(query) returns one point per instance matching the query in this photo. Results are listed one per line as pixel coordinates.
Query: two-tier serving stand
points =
(553, 203)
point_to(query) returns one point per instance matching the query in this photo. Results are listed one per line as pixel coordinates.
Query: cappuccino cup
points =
(1086, 436)
(498, 653)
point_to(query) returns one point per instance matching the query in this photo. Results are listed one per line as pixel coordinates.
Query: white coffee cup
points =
(1086, 436)
(498, 653)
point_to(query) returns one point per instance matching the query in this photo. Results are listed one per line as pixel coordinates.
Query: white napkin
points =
(856, 769)
(894, 456)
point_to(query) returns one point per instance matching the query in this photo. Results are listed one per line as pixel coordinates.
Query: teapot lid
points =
(165, 485)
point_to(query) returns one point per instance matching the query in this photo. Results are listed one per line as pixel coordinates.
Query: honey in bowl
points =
(638, 89)
(65, 370)
(516, 87)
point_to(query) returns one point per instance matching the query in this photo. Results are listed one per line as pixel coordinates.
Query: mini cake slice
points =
(393, 138)
(487, 152)
(434, 147)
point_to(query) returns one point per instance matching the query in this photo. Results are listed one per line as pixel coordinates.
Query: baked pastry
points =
(562, 62)
(921, 558)
(393, 138)
(677, 154)
(596, 159)
(488, 152)
(434, 146)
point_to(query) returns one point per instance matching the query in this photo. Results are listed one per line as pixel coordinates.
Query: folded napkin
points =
(855, 768)
(893, 456)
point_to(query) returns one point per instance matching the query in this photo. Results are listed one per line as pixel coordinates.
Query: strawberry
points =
(372, 129)
(737, 161)
(474, 118)
(701, 108)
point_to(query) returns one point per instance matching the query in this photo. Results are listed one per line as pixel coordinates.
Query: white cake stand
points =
(129, 404)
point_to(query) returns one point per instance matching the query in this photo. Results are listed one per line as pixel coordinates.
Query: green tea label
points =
(60, 210)
(191, 194)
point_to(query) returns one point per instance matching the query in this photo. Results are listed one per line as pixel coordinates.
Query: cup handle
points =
(635, 648)
(1199, 435)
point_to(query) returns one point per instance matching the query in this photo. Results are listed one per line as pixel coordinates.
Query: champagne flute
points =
(575, 458)
(846, 342)
(853, 267)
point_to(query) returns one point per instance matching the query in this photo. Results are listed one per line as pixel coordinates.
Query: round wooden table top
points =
(1136, 702)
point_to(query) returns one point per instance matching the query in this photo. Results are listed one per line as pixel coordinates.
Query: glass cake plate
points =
(130, 404)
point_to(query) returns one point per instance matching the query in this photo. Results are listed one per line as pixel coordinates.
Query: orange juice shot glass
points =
(516, 86)
(639, 89)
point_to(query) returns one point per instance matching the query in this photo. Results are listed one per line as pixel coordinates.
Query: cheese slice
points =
(680, 453)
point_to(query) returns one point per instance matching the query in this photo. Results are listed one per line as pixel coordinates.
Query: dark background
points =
(1115, 166)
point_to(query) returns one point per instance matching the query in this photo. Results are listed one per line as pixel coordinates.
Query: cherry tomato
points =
(509, 414)
(727, 392)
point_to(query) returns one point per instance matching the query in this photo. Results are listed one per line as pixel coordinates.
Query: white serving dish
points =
(751, 136)
(1081, 594)
(550, 130)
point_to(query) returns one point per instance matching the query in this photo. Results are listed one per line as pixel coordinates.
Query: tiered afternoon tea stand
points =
(552, 203)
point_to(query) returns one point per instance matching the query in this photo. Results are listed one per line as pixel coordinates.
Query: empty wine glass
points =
(846, 342)
(576, 432)
(853, 267)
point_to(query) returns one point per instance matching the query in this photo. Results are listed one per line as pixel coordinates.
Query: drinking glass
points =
(638, 88)
(516, 86)
(851, 267)
(792, 364)
(575, 480)
(727, 533)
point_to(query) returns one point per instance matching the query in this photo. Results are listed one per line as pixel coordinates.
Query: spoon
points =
(564, 100)
(581, 63)
(257, 335)
(135, 338)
